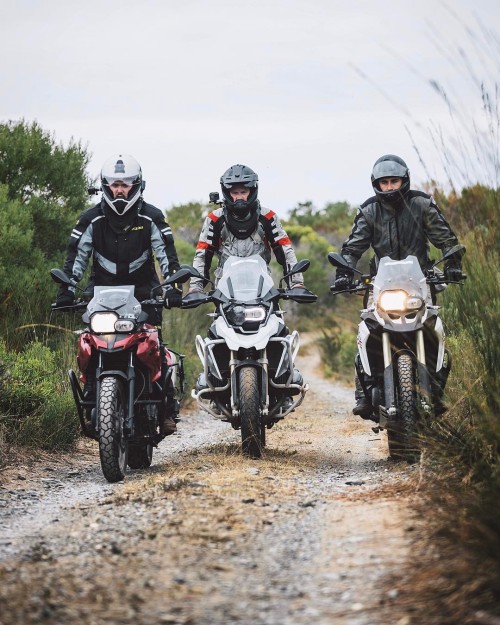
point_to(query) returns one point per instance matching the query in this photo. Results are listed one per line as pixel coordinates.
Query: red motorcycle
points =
(125, 398)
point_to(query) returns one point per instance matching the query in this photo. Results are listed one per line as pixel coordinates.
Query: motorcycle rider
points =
(397, 222)
(242, 227)
(121, 232)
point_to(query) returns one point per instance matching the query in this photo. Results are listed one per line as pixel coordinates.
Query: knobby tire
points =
(402, 435)
(252, 431)
(113, 446)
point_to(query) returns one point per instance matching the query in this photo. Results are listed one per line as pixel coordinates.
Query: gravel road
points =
(319, 530)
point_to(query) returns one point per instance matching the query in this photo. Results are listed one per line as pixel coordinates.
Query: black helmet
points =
(124, 168)
(390, 166)
(240, 175)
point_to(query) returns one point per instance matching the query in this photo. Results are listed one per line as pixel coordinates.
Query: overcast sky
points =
(309, 93)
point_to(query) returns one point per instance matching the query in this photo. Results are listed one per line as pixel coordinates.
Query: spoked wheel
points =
(402, 436)
(252, 430)
(140, 456)
(113, 445)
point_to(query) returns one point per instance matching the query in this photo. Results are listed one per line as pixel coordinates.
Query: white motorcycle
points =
(249, 378)
(402, 358)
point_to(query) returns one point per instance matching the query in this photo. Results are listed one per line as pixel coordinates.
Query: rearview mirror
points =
(60, 277)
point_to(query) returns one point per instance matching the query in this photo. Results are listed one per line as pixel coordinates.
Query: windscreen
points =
(119, 299)
(245, 279)
(400, 274)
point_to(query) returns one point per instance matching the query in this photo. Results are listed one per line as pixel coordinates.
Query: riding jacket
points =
(217, 239)
(399, 230)
(122, 247)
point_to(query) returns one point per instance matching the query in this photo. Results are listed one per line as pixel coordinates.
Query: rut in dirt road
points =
(317, 530)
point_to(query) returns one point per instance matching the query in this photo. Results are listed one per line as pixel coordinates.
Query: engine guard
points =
(81, 405)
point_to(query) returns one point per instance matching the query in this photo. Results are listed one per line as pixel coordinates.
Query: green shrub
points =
(30, 380)
(180, 328)
(35, 405)
(465, 442)
(54, 427)
(338, 350)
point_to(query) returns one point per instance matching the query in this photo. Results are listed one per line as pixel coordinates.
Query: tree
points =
(333, 222)
(43, 187)
(186, 220)
(33, 165)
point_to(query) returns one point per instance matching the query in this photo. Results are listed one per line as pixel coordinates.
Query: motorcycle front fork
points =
(424, 383)
(234, 366)
(129, 381)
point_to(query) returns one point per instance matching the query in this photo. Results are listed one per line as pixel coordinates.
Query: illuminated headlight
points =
(103, 323)
(256, 314)
(399, 301)
(238, 315)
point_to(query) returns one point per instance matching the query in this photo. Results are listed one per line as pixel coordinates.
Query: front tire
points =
(252, 430)
(113, 445)
(402, 435)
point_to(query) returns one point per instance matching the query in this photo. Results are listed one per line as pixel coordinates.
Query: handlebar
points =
(357, 287)
(153, 302)
(443, 280)
(82, 305)
(79, 305)
(361, 285)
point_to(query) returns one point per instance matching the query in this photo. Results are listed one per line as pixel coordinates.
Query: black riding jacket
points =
(399, 230)
(122, 247)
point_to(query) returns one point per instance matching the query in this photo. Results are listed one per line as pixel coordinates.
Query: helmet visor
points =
(129, 181)
(389, 169)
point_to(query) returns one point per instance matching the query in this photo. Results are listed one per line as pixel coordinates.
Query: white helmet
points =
(124, 168)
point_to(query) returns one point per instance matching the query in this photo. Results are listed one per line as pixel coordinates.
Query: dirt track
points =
(319, 530)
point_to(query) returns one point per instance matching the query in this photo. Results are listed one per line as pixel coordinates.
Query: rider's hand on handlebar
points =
(66, 298)
(343, 281)
(453, 273)
(173, 297)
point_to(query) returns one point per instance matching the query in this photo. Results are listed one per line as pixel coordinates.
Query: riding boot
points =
(89, 396)
(363, 407)
(169, 411)
(201, 383)
(297, 377)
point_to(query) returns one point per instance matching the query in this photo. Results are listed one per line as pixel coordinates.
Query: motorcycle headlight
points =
(255, 314)
(414, 303)
(103, 323)
(399, 301)
(124, 325)
(236, 315)
(239, 315)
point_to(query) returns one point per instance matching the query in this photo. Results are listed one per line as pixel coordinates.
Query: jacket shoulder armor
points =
(216, 214)
(148, 210)
(370, 200)
(267, 213)
(413, 194)
(90, 214)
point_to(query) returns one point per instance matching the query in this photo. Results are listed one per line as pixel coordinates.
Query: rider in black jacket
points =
(398, 222)
(121, 233)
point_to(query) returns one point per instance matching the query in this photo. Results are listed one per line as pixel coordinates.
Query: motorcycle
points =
(401, 348)
(249, 378)
(125, 399)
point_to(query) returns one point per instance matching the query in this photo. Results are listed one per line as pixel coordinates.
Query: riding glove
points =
(173, 297)
(66, 298)
(453, 273)
(343, 280)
